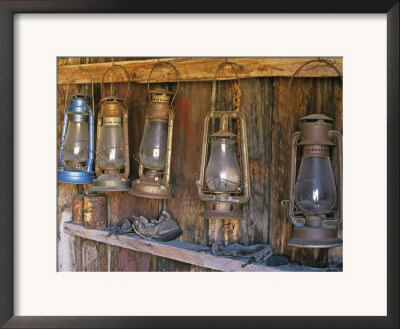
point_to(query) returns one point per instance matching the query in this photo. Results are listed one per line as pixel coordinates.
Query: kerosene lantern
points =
(156, 145)
(224, 175)
(315, 205)
(77, 139)
(112, 151)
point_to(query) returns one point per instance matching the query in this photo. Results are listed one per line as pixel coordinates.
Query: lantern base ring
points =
(110, 183)
(152, 189)
(222, 210)
(314, 237)
(75, 177)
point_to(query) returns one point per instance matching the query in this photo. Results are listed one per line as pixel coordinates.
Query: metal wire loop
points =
(288, 94)
(136, 157)
(232, 65)
(108, 70)
(176, 74)
(318, 60)
(69, 82)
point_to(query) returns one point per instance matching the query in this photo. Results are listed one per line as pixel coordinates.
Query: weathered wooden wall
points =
(271, 118)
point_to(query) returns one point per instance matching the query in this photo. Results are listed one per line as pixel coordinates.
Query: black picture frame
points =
(9, 8)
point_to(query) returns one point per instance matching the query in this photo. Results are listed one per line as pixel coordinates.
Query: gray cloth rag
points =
(258, 253)
(126, 227)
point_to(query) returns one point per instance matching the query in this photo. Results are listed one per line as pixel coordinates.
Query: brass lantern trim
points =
(160, 95)
(113, 109)
(224, 205)
(315, 230)
(153, 183)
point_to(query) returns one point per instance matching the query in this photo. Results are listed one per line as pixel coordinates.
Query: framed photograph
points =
(61, 270)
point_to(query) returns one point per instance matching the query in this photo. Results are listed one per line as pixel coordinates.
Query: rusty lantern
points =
(315, 202)
(112, 152)
(156, 145)
(77, 138)
(224, 169)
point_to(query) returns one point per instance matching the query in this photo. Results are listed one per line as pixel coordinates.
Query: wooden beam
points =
(201, 69)
(179, 250)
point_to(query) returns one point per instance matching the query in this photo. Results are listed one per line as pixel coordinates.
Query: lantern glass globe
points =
(153, 148)
(315, 189)
(76, 142)
(223, 172)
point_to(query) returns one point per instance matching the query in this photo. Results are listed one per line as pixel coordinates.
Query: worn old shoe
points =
(163, 229)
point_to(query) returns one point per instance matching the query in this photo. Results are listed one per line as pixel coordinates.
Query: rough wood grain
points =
(306, 96)
(257, 106)
(215, 231)
(203, 69)
(270, 121)
(231, 231)
(68, 259)
(191, 107)
(169, 265)
(124, 204)
(178, 250)
(86, 255)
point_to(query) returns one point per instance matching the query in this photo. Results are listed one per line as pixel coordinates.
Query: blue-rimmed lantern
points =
(77, 139)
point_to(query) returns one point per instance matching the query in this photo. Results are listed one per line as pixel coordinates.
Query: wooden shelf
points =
(201, 69)
(178, 250)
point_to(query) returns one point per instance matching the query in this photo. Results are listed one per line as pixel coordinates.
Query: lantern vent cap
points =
(223, 133)
(316, 117)
(161, 91)
(111, 99)
(77, 104)
(79, 96)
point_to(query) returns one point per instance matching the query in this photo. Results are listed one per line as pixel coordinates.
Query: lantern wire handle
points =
(176, 74)
(113, 66)
(220, 66)
(289, 89)
(214, 98)
(318, 60)
(69, 82)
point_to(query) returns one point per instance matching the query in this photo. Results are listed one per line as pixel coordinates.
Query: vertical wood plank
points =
(307, 96)
(68, 247)
(231, 231)
(257, 106)
(215, 230)
(190, 110)
(125, 204)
